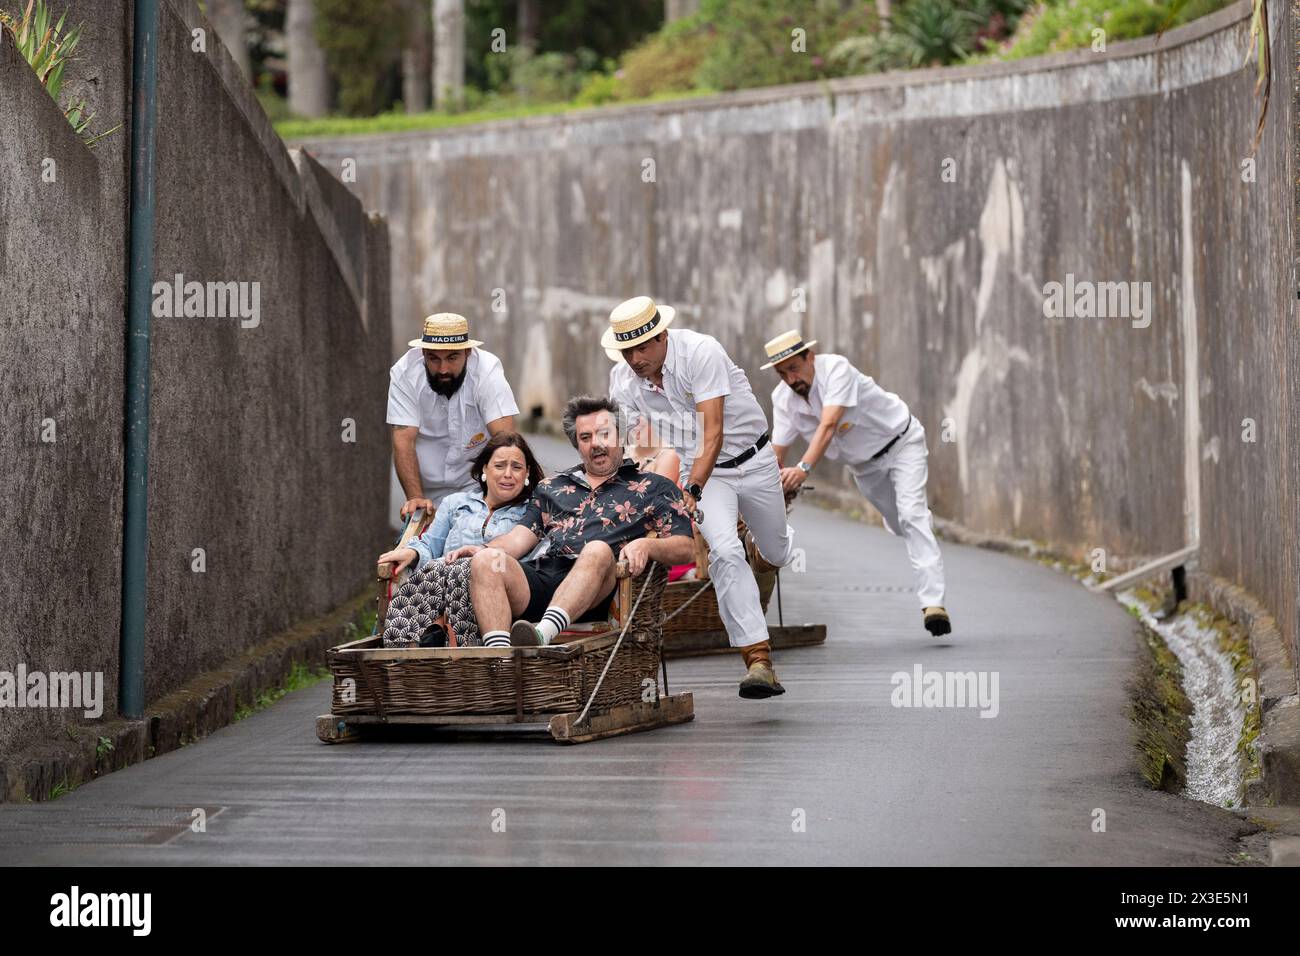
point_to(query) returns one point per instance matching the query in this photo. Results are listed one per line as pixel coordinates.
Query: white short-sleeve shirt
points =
(872, 416)
(696, 369)
(452, 431)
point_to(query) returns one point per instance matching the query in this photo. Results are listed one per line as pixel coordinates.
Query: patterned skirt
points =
(436, 588)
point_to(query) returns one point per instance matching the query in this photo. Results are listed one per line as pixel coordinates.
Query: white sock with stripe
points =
(496, 639)
(555, 620)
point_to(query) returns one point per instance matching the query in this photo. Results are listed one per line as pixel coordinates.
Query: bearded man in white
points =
(446, 398)
(844, 415)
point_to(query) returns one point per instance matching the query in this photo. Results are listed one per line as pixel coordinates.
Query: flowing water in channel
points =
(1214, 768)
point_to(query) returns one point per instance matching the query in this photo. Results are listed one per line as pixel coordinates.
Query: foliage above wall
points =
(739, 44)
(48, 48)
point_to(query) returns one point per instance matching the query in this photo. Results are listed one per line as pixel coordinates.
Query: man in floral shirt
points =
(587, 519)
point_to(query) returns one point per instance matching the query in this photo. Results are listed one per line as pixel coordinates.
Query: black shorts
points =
(544, 576)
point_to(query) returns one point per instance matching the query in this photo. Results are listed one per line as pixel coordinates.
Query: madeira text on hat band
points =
(786, 353)
(636, 333)
(446, 339)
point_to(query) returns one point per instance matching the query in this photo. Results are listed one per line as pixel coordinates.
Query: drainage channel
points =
(1215, 769)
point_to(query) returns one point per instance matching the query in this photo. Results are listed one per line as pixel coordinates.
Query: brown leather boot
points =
(760, 677)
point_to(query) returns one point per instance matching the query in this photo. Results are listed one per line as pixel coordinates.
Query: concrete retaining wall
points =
(248, 459)
(1118, 167)
(61, 393)
(268, 445)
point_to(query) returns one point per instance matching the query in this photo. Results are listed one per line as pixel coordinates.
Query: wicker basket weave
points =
(692, 606)
(685, 612)
(512, 682)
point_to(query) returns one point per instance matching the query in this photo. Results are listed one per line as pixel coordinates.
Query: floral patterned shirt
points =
(566, 513)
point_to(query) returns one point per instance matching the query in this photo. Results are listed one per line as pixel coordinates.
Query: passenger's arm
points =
(669, 465)
(516, 542)
(433, 542)
(675, 549)
(674, 540)
(399, 558)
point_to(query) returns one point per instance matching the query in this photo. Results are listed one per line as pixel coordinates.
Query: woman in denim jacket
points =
(507, 472)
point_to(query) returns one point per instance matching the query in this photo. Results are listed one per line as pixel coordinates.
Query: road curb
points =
(49, 767)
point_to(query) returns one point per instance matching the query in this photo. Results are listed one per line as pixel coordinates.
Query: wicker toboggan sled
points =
(596, 684)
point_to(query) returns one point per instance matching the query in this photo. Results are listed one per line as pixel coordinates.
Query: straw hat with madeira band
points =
(445, 332)
(635, 321)
(784, 346)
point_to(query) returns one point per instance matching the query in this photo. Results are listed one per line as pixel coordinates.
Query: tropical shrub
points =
(768, 42)
(48, 49)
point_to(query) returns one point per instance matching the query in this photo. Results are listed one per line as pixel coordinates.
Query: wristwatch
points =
(695, 491)
(805, 467)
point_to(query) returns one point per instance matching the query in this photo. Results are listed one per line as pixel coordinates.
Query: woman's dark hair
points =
(509, 440)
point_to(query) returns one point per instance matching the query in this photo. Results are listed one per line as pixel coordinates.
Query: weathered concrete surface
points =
(248, 453)
(1084, 432)
(877, 784)
(252, 451)
(61, 332)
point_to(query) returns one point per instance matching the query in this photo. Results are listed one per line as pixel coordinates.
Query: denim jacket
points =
(461, 519)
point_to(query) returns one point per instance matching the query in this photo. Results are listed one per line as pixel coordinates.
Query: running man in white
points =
(844, 415)
(678, 378)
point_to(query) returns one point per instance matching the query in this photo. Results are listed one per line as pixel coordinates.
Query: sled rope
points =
(617, 644)
(687, 603)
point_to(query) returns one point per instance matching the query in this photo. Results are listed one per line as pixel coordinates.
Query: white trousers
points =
(754, 492)
(895, 484)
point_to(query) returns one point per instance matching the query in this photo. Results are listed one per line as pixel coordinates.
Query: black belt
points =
(745, 455)
(893, 441)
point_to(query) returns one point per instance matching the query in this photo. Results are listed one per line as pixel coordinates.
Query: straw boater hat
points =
(634, 321)
(445, 332)
(785, 345)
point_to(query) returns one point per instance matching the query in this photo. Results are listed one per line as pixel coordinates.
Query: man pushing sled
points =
(843, 415)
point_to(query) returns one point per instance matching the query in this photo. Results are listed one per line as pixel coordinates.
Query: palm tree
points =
(309, 82)
(417, 57)
(448, 52)
(530, 22)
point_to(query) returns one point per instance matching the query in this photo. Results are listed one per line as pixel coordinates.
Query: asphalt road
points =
(870, 782)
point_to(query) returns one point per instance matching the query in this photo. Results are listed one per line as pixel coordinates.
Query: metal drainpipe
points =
(135, 514)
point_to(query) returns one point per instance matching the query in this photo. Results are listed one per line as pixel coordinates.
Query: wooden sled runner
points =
(594, 685)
